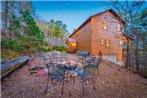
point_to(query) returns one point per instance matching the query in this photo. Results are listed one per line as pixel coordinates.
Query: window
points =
(120, 42)
(118, 27)
(107, 43)
(102, 42)
(104, 24)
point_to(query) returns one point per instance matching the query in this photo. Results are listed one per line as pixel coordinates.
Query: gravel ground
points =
(114, 82)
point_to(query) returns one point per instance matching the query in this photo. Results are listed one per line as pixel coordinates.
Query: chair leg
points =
(62, 87)
(73, 79)
(98, 72)
(46, 86)
(94, 80)
(67, 77)
(83, 87)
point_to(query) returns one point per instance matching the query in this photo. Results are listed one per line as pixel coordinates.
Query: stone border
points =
(11, 66)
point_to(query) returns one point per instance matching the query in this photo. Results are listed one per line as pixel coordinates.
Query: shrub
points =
(19, 48)
(10, 54)
(10, 43)
(45, 49)
(61, 48)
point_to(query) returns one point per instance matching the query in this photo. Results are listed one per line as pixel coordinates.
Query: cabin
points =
(100, 32)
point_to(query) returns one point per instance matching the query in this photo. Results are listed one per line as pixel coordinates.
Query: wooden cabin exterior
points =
(101, 32)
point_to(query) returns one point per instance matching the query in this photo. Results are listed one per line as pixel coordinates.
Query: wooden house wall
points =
(83, 37)
(99, 33)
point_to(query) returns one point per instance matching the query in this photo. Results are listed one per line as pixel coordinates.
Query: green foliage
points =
(10, 43)
(57, 28)
(60, 48)
(19, 48)
(32, 28)
(144, 17)
(45, 49)
(10, 54)
(22, 38)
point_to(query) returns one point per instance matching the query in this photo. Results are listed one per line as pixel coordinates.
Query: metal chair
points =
(64, 56)
(82, 55)
(91, 61)
(54, 57)
(55, 73)
(89, 72)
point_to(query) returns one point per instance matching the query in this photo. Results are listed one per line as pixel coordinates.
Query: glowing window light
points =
(102, 42)
(107, 43)
(118, 27)
(104, 24)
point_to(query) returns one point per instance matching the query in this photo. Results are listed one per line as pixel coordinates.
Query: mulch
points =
(113, 82)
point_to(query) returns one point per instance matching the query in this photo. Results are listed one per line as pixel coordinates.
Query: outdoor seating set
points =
(60, 66)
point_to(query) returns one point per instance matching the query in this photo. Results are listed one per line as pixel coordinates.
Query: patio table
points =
(70, 70)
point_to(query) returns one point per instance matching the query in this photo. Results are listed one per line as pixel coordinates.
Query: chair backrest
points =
(90, 70)
(54, 55)
(59, 71)
(82, 53)
(64, 54)
(98, 62)
(56, 71)
(93, 58)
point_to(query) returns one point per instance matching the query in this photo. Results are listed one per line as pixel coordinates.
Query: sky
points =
(72, 13)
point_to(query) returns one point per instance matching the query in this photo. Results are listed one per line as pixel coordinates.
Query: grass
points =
(10, 54)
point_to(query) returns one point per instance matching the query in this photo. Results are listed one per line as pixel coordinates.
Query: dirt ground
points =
(114, 82)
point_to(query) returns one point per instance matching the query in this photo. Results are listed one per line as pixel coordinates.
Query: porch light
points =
(73, 44)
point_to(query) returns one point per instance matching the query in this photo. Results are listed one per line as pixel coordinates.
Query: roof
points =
(87, 20)
(71, 40)
(128, 37)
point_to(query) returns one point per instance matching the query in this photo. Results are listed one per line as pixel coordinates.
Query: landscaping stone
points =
(9, 67)
(2, 60)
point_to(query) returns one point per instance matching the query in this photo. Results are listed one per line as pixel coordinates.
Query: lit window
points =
(102, 42)
(118, 27)
(120, 42)
(107, 43)
(104, 24)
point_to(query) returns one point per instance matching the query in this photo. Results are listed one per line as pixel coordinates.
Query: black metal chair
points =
(64, 56)
(82, 55)
(91, 61)
(89, 72)
(55, 57)
(56, 73)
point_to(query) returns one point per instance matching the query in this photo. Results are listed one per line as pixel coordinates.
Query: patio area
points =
(113, 82)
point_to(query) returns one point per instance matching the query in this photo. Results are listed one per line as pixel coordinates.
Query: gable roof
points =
(87, 20)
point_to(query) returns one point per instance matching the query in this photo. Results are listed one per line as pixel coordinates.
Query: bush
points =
(20, 48)
(45, 49)
(10, 43)
(10, 54)
(60, 48)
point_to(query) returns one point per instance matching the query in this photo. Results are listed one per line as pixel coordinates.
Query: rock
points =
(9, 67)
(2, 60)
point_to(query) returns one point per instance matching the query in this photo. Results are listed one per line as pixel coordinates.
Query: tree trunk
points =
(136, 53)
(5, 17)
(11, 14)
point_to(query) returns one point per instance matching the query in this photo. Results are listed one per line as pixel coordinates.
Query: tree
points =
(4, 17)
(18, 20)
(57, 28)
(130, 11)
